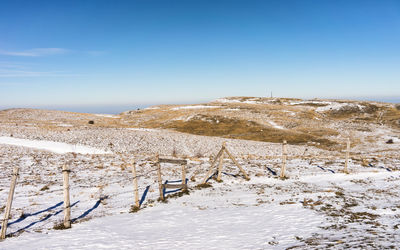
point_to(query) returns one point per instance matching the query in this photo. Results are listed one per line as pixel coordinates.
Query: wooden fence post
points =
(184, 177)
(135, 185)
(220, 155)
(67, 205)
(284, 156)
(237, 164)
(212, 165)
(9, 203)
(160, 185)
(346, 163)
(221, 161)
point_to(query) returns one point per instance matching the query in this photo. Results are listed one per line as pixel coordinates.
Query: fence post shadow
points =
(43, 219)
(24, 216)
(87, 212)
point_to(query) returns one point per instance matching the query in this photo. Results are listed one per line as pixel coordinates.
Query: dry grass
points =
(392, 117)
(59, 226)
(203, 185)
(371, 113)
(249, 121)
(248, 130)
(134, 209)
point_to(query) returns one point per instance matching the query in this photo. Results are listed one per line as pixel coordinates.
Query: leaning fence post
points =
(236, 163)
(212, 165)
(67, 205)
(221, 159)
(160, 185)
(9, 203)
(135, 185)
(346, 163)
(284, 156)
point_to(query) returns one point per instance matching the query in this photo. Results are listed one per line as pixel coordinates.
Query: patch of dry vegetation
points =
(352, 110)
(248, 130)
(392, 117)
(370, 113)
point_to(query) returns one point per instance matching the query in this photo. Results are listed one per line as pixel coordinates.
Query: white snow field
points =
(171, 226)
(313, 208)
(56, 147)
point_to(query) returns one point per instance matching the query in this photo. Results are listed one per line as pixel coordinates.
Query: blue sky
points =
(116, 53)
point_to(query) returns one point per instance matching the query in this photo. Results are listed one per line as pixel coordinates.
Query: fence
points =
(183, 186)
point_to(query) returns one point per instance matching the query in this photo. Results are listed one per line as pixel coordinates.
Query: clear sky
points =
(100, 53)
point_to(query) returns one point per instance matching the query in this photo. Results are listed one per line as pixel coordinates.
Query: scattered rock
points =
(91, 122)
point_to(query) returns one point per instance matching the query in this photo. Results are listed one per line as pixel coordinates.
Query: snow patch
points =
(143, 129)
(248, 101)
(56, 147)
(64, 125)
(255, 100)
(224, 100)
(308, 102)
(273, 124)
(107, 116)
(149, 108)
(338, 106)
(196, 107)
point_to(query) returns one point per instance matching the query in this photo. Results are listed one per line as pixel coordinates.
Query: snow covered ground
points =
(56, 147)
(316, 207)
(264, 212)
(309, 209)
(170, 226)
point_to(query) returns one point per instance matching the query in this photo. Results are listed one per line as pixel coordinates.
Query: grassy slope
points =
(259, 119)
(250, 118)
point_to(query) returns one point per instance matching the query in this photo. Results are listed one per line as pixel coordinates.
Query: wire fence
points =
(148, 166)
